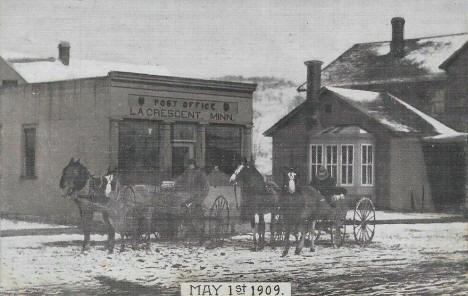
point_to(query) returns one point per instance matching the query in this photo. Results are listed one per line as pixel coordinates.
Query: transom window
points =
(347, 161)
(184, 132)
(367, 163)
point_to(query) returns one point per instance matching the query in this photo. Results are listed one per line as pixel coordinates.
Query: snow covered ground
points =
(7, 224)
(403, 259)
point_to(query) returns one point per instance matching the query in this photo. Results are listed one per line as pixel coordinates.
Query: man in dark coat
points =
(193, 181)
(326, 185)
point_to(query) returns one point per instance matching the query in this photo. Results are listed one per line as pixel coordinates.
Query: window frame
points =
(335, 164)
(352, 164)
(367, 164)
(24, 169)
(310, 159)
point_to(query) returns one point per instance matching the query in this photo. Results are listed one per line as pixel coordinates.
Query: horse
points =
(300, 205)
(259, 199)
(93, 194)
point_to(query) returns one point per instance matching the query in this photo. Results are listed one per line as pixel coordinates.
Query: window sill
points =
(22, 177)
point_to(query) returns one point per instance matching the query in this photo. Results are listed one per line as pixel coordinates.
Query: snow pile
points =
(432, 52)
(438, 126)
(380, 48)
(362, 100)
(6, 224)
(357, 96)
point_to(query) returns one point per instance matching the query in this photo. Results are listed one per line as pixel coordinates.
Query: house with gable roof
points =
(387, 119)
(430, 73)
(373, 144)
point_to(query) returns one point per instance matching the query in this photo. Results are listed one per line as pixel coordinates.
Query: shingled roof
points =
(48, 69)
(393, 114)
(372, 63)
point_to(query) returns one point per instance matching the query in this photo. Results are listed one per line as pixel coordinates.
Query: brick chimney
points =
(397, 45)
(314, 75)
(64, 52)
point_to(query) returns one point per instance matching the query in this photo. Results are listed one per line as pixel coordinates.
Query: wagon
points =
(162, 213)
(362, 221)
(360, 215)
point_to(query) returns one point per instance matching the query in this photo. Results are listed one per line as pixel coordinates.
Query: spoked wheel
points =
(338, 230)
(126, 195)
(364, 221)
(219, 219)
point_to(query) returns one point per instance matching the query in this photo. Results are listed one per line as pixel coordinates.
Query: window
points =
(367, 165)
(223, 147)
(347, 164)
(332, 160)
(315, 159)
(138, 156)
(7, 83)
(29, 152)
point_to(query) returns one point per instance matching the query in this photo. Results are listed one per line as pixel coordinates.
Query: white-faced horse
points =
(302, 204)
(258, 199)
(92, 194)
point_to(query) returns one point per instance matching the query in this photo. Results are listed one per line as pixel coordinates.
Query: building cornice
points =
(182, 82)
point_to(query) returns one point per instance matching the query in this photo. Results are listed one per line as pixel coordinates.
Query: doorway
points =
(181, 153)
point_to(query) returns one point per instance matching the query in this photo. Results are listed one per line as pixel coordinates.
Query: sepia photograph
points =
(233, 148)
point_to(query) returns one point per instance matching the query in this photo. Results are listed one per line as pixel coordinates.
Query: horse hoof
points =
(284, 254)
(297, 252)
(312, 249)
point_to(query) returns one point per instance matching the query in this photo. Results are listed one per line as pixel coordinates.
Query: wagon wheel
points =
(219, 219)
(338, 229)
(364, 221)
(126, 195)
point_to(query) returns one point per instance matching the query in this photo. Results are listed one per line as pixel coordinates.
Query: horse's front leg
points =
(254, 225)
(312, 236)
(86, 217)
(110, 233)
(261, 231)
(122, 242)
(287, 232)
(273, 230)
(300, 244)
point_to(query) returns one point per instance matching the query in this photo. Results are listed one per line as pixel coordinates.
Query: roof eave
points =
(13, 68)
(453, 57)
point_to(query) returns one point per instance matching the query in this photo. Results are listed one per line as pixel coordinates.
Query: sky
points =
(208, 39)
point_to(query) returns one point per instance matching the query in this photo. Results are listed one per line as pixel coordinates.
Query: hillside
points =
(273, 99)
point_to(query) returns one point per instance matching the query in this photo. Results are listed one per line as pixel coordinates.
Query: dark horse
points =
(302, 204)
(90, 195)
(258, 199)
